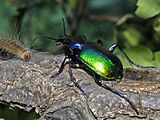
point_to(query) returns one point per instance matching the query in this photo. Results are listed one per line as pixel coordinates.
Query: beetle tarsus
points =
(70, 73)
(100, 83)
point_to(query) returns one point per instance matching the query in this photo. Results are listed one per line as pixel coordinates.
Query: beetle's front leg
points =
(61, 68)
(100, 83)
(73, 79)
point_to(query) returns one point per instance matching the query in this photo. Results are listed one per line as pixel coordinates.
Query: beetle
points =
(101, 61)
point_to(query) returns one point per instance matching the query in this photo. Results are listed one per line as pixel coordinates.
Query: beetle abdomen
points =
(101, 64)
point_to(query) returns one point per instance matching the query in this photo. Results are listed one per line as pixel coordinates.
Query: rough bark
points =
(27, 85)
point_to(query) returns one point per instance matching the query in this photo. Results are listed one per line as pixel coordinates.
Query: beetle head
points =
(67, 40)
(70, 41)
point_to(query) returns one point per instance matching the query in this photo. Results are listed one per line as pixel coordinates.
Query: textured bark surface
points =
(27, 85)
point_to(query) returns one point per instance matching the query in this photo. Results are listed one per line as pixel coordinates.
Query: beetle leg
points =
(112, 48)
(73, 79)
(61, 68)
(100, 83)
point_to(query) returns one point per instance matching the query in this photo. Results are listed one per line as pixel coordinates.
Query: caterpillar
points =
(13, 47)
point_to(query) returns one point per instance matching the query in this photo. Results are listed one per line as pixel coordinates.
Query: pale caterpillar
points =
(15, 48)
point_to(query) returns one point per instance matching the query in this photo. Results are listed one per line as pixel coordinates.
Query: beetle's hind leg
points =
(61, 68)
(112, 48)
(73, 79)
(100, 83)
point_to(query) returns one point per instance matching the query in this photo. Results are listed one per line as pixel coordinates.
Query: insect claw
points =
(53, 76)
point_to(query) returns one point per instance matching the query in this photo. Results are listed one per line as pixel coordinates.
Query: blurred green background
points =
(133, 24)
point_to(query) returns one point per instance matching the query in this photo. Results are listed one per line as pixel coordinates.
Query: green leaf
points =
(157, 25)
(132, 35)
(148, 8)
(157, 58)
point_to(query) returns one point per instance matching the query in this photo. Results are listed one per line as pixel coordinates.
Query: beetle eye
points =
(77, 45)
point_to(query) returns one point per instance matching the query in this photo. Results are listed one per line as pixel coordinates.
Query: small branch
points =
(103, 17)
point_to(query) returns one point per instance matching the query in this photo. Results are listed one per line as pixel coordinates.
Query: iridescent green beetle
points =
(101, 61)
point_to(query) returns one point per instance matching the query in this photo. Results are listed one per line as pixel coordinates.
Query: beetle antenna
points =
(64, 27)
(44, 37)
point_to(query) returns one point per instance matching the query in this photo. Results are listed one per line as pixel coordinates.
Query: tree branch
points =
(27, 85)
